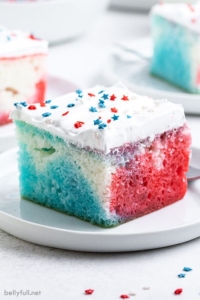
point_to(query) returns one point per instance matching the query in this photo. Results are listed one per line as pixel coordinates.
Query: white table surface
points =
(60, 274)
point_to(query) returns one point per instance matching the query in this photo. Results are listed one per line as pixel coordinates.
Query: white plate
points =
(55, 87)
(177, 223)
(132, 68)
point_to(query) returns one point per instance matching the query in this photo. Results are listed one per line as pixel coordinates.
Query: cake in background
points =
(22, 70)
(176, 39)
(104, 155)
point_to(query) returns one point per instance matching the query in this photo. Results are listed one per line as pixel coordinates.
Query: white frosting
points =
(185, 14)
(17, 43)
(148, 117)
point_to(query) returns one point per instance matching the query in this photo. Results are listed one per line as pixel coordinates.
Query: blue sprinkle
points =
(47, 114)
(128, 117)
(105, 96)
(93, 109)
(71, 105)
(8, 38)
(48, 101)
(79, 92)
(102, 126)
(23, 104)
(53, 106)
(101, 92)
(181, 275)
(115, 117)
(97, 121)
(186, 269)
(16, 103)
(80, 96)
(101, 104)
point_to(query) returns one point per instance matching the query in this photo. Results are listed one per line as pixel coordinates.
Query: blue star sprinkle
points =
(102, 126)
(93, 109)
(186, 269)
(54, 106)
(101, 92)
(97, 121)
(128, 117)
(46, 114)
(48, 101)
(71, 105)
(181, 275)
(79, 92)
(102, 104)
(115, 117)
(105, 96)
(24, 104)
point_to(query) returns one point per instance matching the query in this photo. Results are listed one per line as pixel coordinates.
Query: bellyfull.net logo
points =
(22, 293)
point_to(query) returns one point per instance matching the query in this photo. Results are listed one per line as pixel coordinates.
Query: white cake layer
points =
(15, 43)
(18, 78)
(184, 14)
(137, 117)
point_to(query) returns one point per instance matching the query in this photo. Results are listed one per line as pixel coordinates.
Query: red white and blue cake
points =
(104, 155)
(22, 70)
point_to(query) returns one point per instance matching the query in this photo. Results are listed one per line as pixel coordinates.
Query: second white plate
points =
(131, 67)
(177, 223)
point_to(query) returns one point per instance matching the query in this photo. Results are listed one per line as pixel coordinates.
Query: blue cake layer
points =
(59, 183)
(172, 60)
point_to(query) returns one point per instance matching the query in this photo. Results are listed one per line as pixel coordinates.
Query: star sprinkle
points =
(102, 126)
(97, 122)
(102, 104)
(54, 106)
(48, 101)
(178, 291)
(46, 114)
(113, 109)
(91, 95)
(66, 113)
(93, 109)
(125, 98)
(78, 124)
(186, 269)
(89, 292)
(115, 117)
(71, 105)
(181, 275)
(113, 97)
(79, 92)
(32, 107)
(105, 96)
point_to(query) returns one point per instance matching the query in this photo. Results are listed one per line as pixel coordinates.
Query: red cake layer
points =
(39, 96)
(153, 179)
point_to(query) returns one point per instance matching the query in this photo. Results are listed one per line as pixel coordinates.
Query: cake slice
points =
(22, 70)
(104, 155)
(176, 39)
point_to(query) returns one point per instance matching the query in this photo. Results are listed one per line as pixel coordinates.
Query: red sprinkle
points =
(42, 104)
(113, 109)
(109, 120)
(113, 97)
(32, 37)
(91, 95)
(178, 291)
(191, 7)
(99, 117)
(89, 292)
(66, 113)
(193, 20)
(124, 296)
(78, 124)
(32, 107)
(125, 98)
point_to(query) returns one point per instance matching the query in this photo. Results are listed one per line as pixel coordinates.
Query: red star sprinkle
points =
(178, 291)
(91, 95)
(32, 107)
(113, 109)
(125, 98)
(109, 120)
(78, 124)
(89, 292)
(113, 97)
(124, 296)
(66, 113)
